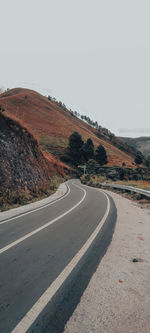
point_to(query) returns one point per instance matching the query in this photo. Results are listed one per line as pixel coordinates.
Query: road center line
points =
(39, 306)
(36, 209)
(7, 247)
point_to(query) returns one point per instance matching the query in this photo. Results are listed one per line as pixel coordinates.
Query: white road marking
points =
(39, 306)
(7, 247)
(36, 209)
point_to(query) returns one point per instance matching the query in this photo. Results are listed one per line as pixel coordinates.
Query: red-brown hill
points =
(51, 124)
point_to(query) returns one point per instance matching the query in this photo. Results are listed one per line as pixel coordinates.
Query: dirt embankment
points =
(24, 171)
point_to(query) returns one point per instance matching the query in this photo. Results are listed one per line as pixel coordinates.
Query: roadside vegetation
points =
(93, 180)
(98, 180)
(12, 199)
(139, 184)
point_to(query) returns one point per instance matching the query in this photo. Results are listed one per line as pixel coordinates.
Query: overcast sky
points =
(94, 55)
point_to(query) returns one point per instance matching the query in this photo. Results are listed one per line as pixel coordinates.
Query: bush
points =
(92, 166)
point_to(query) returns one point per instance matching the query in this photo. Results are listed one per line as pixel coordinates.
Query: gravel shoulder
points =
(117, 299)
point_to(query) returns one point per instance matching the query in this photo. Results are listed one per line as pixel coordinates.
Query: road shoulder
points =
(118, 296)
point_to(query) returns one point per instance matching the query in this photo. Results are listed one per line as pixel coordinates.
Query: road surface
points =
(48, 256)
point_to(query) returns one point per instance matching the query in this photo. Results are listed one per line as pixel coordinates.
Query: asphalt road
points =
(35, 250)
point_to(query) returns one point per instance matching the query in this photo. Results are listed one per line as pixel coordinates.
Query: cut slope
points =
(52, 124)
(24, 171)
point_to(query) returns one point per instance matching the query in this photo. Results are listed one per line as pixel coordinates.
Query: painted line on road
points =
(43, 301)
(7, 247)
(36, 209)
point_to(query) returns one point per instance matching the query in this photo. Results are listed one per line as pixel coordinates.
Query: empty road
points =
(48, 256)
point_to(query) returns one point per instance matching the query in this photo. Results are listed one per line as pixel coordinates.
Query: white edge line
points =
(36, 209)
(39, 306)
(7, 247)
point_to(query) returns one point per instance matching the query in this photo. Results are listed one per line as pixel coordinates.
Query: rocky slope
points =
(24, 171)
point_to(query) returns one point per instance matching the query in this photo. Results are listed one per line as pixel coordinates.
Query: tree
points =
(121, 174)
(139, 158)
(75, 144)
(90, 148)
(148, 161)
(87, 150)
(100, 155)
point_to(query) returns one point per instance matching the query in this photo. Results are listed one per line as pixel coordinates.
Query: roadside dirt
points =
(117, 299)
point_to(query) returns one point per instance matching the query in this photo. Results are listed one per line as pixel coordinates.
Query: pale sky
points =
(93, 55)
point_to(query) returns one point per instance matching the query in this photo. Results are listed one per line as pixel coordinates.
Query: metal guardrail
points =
(128, 188)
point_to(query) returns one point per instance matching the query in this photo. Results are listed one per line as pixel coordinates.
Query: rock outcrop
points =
(24, 170)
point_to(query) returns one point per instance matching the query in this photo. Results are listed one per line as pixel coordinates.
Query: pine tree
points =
(75, 144)
(87, 150)
(139, 158)
(100, 155)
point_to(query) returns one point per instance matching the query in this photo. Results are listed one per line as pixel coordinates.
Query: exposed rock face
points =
(23, 168)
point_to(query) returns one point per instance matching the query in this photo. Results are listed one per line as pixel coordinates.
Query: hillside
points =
(142, 144)
(24, 171)
(51, 124)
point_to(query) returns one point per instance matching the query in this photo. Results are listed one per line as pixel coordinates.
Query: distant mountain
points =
(142, 144)
(51, 123)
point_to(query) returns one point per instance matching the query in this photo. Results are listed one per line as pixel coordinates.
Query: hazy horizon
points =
(91, 55)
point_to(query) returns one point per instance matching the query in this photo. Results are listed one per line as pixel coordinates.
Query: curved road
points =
(40, 251)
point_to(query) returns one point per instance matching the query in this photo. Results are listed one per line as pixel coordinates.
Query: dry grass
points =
(98, 179)
(145, 185)
(13, 199)
(93, 179)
